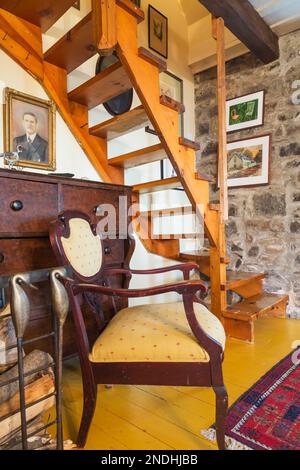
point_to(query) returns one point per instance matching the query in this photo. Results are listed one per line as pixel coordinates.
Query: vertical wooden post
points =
(105, 25)
(219, 34)
(218, 254)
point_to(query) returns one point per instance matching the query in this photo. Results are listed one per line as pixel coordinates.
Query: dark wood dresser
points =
(28, 203)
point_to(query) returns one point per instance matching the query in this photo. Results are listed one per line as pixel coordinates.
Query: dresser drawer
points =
(27, 254)
(113, 251)
(87, 200)
(27, 207)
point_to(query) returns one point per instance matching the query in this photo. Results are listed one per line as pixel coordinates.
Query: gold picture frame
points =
(30, 130)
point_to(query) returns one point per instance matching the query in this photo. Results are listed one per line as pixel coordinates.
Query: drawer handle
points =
(1, 257)
(17, 206)
(107, 250)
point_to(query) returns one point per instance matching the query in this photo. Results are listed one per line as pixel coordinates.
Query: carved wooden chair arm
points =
(183, 288)
(186, 268)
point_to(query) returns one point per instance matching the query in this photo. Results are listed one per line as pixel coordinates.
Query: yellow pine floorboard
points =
(144, 417)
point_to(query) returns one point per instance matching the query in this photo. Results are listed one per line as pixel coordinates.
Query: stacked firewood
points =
(37, 386)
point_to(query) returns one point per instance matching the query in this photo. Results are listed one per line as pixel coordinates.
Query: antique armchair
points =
(172, 344)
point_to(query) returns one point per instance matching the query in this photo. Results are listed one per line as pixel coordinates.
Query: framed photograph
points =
(30, 130)
(158, 31)
(245, 112)
(249, 162)
(172, 86)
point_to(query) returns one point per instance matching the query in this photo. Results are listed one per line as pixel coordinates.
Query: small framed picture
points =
(30, 130)
(158, 31)
(172, 86)
(249, 162)
(245, 112)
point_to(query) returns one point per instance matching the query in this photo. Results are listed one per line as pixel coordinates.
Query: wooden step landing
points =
(75, 47)
(236, 279)
(239, 319)
(160, 185)
(139, 157)
(120, 125)
(257, 306)
(43, 13)
(106, 85)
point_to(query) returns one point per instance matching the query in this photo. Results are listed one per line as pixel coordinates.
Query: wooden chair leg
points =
(89, 405)
(221, 412)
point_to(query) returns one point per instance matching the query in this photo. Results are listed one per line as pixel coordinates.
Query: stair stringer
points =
(145, 79)
(22, 41)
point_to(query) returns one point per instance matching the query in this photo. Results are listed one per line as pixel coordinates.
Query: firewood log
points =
(38, 389)
(15, 436)
(8, 425)
(8, 357)
(34, 360)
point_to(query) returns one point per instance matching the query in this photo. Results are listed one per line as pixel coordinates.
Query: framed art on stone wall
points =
(249, 162)
(30, 130)
(158, 31)
(245, 111)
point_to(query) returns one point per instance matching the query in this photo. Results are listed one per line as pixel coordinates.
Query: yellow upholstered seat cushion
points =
(156, 333)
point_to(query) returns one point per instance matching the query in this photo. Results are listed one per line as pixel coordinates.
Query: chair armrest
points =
(183, 288)
(185, 268)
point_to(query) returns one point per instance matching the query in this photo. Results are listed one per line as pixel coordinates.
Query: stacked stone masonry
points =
(263, 232)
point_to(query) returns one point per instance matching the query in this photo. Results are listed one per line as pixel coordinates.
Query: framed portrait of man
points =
(30, 130)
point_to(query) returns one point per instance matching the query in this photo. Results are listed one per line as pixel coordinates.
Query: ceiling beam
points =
(247, 25)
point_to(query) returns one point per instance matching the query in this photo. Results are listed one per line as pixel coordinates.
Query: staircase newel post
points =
(105, 25)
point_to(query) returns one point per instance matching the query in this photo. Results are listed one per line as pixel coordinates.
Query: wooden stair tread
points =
(139, 157)
(194, 255)
(120, 125)
(174, 236)
(237, 278)
(153, 59)
(189, 143)
(172, 104)
(75, 47)
(204, 177)
(131, 8)
(159, 185)
(106, 85)
(171, 211)
(43, 13)
(250, 309)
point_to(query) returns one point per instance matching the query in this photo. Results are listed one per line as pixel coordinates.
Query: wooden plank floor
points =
(145, 418)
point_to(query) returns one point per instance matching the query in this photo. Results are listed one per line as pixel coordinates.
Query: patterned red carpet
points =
(267, 416)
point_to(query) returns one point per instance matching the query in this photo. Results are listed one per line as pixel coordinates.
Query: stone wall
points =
(264, 226)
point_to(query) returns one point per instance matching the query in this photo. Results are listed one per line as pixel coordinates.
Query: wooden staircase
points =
(21, 26)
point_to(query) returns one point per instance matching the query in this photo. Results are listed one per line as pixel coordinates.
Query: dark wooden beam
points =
(247, 25)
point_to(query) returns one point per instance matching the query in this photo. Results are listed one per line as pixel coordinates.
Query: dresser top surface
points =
(53, 179)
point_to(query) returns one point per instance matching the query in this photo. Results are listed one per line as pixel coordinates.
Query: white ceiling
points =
(282, 15)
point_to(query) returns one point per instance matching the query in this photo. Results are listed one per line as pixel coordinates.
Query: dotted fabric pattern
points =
(83, 249)
(156, 333)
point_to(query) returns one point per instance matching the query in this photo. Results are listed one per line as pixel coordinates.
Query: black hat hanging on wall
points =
(122, 103)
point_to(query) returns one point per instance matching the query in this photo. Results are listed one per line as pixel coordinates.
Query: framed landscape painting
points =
(245, 112)
(249, 162)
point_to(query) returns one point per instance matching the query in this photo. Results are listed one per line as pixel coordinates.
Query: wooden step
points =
(196, 255)
(174, 236)
(237, 279)
(214, 207)
(43, 13)
(204, 177)
(172, 211)
(106, 85)
(131, 8)
(201, 257)
(139, 157)
(257, 306)
(189, 143)
(74, 48)
(160, 185)
(120, 125)
(172, 104)
(153, 59)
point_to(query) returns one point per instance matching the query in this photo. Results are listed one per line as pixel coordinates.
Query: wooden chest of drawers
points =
(28, 203)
